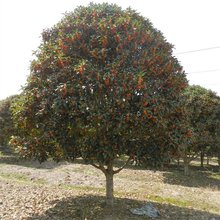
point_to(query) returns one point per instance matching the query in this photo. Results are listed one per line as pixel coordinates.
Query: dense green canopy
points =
(6, 123)
(104, 83)
(203, 110)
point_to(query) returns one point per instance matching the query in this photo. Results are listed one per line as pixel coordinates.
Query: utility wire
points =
(210, 84)
(205, 71)
(193, 51)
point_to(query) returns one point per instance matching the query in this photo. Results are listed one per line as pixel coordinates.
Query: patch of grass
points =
(22, 178)
(82, 188)
(168, 200)
(1, 154)
(14, 176)
(215, 176)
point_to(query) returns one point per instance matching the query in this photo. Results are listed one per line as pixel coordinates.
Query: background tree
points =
(104, 81)
(214, 149)
(201, 109)
(6, 123)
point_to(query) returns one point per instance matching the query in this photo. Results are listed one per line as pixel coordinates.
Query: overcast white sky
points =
(188, 24)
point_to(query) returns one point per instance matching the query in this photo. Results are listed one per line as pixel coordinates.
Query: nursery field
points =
(47, 191)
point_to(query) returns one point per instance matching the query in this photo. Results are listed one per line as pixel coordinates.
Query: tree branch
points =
(122, 167)
(100, 167)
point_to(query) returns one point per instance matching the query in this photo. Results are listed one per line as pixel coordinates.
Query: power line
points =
(209, 84)
(205, 85)
(193, 51)
(205, 71)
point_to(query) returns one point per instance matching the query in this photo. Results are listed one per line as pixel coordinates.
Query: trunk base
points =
(202, 159)
(186, 167)
(186, 170)
(109, 188)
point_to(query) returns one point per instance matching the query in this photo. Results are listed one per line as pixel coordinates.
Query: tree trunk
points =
(219, 162)
(109, 186)
(178, 162)
(186, 166)
(202, 158)
(207, 160)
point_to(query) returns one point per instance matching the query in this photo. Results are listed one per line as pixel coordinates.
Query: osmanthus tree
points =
(202, 107)
(103, 84)
(214, 149)
(6, 123)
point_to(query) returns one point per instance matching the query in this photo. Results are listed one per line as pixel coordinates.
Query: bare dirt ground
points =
(29, 190)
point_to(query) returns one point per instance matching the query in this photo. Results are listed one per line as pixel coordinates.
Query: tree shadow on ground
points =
(92, 208)
(14, 159)
(198, 177)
